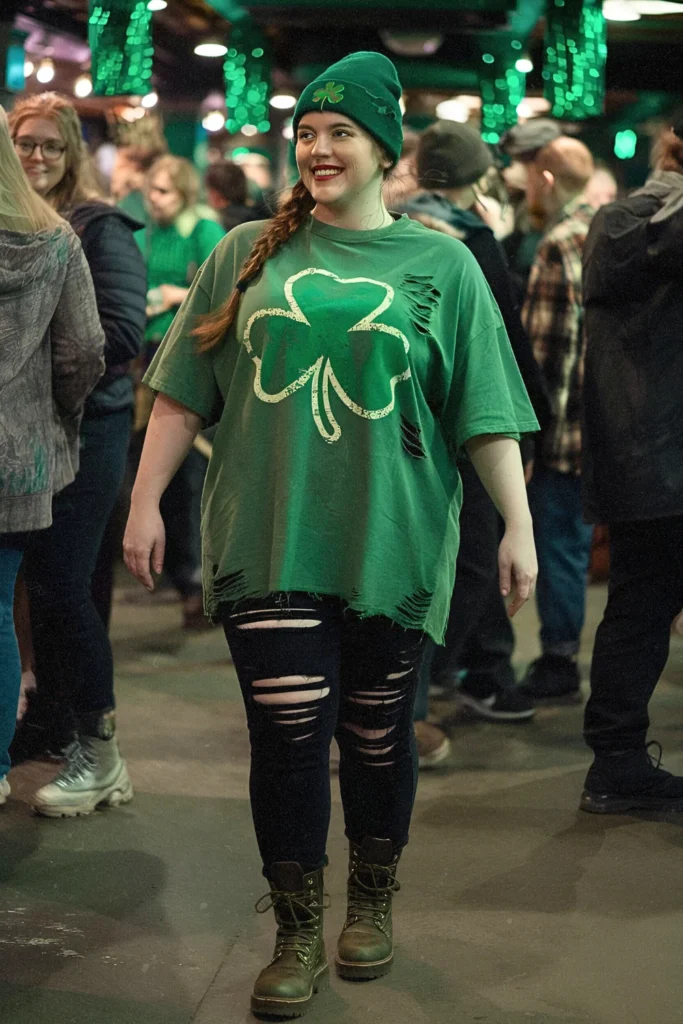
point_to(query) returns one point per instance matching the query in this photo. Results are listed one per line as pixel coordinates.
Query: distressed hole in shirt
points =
(415, 607)
(231, 587)
(411, 439)
(422, 298)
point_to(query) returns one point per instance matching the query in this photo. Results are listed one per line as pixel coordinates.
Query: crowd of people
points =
(365, 427)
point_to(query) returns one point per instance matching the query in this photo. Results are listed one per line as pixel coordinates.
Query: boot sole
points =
(596, 804)
(363, 972)
(264, 1006)
(120, 792)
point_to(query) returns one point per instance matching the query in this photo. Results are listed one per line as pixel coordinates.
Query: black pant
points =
(632, 641)
(324, 672)
(182, 514)
(74, 665)
(476, 595)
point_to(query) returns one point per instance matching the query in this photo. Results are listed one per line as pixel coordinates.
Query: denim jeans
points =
(632, 641)
(563, 544)
(182, 514)
(311, 670)
(476, 595)
(74, 664)
(10, 664)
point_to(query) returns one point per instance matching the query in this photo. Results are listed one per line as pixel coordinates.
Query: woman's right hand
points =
(144, 543)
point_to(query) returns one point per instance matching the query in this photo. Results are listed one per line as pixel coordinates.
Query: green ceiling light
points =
(625, 143)
(120, 40)
(247, 79)
(575, 56)
(502, 85)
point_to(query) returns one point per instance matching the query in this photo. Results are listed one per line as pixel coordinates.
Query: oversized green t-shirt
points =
(359, 363)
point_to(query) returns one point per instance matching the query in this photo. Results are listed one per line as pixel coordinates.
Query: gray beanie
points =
(451, 155)
(524, 140)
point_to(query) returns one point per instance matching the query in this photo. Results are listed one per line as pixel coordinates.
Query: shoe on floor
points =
(4, 791)
(500, 704)
(94, 774)
(433, 745)
(632, 780)
(553, 679)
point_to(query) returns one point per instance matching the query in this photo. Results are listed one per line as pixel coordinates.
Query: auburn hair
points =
(212, 326)
(667, 154)
(79, 181)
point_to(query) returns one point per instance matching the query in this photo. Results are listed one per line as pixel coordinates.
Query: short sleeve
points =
(178, 369)
(486, 393)
(210, 235)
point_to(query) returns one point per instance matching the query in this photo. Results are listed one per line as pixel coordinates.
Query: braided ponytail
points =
(278, 231)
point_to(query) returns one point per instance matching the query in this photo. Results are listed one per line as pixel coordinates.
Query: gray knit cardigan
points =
(51, 344)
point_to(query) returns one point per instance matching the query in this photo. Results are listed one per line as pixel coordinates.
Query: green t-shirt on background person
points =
(358, 364)
(173, 255)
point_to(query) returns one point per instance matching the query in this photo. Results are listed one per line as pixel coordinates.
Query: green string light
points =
(502, 88)
(247, 79)
(575, 56)
(120, 39)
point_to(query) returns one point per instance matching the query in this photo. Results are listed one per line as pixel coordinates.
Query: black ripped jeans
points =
(310, 669)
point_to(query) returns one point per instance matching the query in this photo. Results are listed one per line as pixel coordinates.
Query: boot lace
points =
(79, 762)
(370, 901)
(655, 759)
(297, 921)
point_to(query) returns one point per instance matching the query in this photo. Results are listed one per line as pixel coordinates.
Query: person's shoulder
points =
(435, 236)
(244, 235)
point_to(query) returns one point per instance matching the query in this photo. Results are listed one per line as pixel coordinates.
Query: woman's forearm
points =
(498, 464)
(172, 429)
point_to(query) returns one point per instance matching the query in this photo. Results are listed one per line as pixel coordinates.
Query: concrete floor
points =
(515, 908)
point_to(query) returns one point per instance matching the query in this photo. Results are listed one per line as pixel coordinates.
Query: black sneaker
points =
(553, 679)
(500, 704)
(631, 781)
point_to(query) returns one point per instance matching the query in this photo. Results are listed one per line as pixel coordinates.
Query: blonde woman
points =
(346, 355)
(74, 664)
(50, 358)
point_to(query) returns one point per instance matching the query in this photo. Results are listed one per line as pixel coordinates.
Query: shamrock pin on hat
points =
(365, 87)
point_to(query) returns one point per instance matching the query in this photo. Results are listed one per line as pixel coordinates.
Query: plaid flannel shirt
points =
(553, 317)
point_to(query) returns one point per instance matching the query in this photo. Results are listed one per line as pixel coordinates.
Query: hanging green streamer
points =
(575, 56)
(120, 38)
(502, 86)
(247, 78)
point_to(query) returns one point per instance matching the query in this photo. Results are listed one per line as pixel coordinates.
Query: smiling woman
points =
(336, 357)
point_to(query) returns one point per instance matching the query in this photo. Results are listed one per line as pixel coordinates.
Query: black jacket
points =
(120, 280)
(489, 254)
(633, 387)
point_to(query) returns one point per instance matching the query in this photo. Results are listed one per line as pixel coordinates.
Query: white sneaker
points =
(4, 791)
(94, 774)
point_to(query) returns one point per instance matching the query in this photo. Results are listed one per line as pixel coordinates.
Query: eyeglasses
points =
(51, 151)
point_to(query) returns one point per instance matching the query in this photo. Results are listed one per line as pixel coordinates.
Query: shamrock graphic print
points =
(329, 338)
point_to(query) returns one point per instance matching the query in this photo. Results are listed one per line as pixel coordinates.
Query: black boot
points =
(553, 679)
(631, 780)
(298, 969)
(366, 947)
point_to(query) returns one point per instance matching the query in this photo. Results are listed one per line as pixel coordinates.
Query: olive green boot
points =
(298, 969)
(366, 946)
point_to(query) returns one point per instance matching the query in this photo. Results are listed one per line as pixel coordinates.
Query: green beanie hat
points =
(365, 87)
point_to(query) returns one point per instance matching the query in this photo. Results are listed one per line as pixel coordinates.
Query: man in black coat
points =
(633, 474)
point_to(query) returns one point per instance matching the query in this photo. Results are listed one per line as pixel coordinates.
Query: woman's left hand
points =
(517, 564)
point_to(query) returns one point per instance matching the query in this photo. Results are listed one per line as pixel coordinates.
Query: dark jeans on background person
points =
(10, 663)
(322, 673)
(563, 544)
(487, 655)
(181, 509)
(74, 665)
(632, 641)
(476, 589)
(182, 514)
